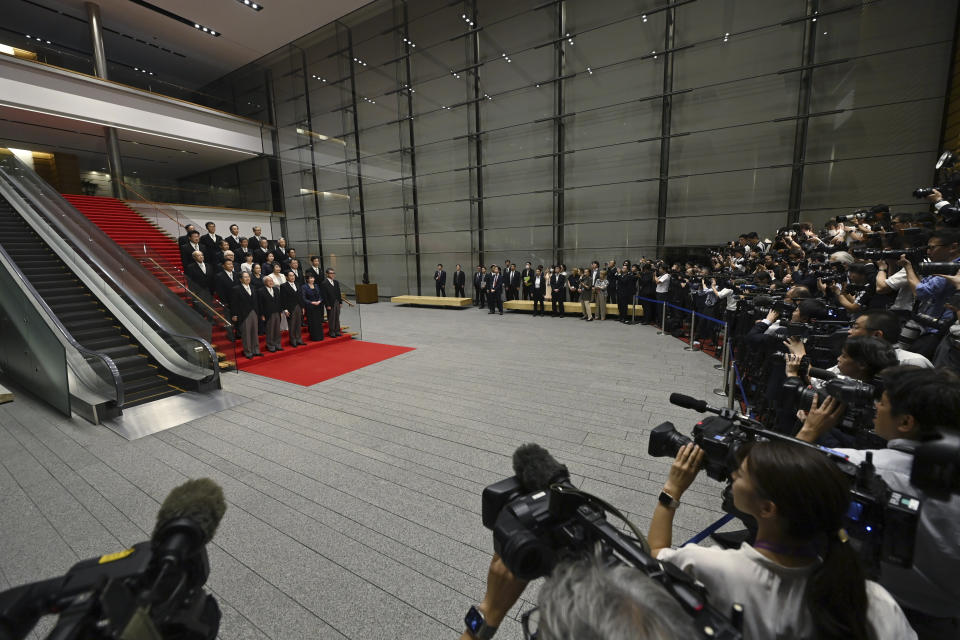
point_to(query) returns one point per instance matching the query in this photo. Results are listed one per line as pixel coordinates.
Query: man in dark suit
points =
(254, 240)
(494, 289)
(223, 283)
(314, 270)
(440, 276)
(185, 238)
(538, 290)
(189, 248)
(280, 252)
(200, 282)
(479, 282)
(330, 292)
(234, 238)
(626, 290)
(240, 253)
(291, 255)
(245, 310)
(526, 280)
(558, 292)
(459, 282)
(260, 253)
(210, 242)
(292, 309)
(268, 299)
(511, 283)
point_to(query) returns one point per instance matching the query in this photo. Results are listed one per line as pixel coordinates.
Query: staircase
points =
(133, 232)
(153, 248)
(84, 316)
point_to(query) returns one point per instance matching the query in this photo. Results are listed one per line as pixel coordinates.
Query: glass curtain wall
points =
(412, 134)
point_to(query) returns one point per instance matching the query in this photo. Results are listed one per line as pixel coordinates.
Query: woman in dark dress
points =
(313, 308)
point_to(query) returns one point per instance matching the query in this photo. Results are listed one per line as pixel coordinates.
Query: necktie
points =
(270, 289)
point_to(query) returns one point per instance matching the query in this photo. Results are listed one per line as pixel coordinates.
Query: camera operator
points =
(944, 207)
(885, 325)
(585, 599)
(800, 579)
(915, 403)
(891, 281)
(857, 294)
(932, 292)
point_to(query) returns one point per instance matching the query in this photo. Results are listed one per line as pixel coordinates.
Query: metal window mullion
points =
(803, 110)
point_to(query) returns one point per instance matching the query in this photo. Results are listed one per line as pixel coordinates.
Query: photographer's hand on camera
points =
(683, 472)
(821, 418)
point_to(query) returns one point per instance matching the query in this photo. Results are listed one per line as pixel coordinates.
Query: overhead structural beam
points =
(356, 143)
(477, 128)
(666, 114)
(559, 133)
(413, 148)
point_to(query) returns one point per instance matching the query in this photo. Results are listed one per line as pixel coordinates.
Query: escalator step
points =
(148, 396)
(105, 342)
(92, 334)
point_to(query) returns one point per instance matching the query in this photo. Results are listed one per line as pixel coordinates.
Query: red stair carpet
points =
(307, 367)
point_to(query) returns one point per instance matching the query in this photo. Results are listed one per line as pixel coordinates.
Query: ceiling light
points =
(589, 70)
(644, 17)
(206, 29)
(250, 4)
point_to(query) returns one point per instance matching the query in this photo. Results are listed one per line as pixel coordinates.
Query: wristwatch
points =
(477, 624)
(668, 501)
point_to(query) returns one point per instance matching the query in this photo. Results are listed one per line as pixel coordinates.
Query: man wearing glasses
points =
(932, 292)
(330, 292)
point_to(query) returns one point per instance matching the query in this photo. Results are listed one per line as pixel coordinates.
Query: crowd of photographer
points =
(844, 473)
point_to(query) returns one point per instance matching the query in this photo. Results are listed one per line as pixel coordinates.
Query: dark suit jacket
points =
(223, 284)
(210, 247)
(626, 285)
(317, 273)
(459, 278)
(268, 304)
(253, 242)
(234, 244)
(540, 292)
(260, 255)
(240, 254)
(197, 279)
(280, 255)
(241, 304)
(527, 273)
(289, 298)
(440, 277)
(512, 279)
(494, 284)
(330, 294)
(557, 283)
(478, 279)
(186, 253)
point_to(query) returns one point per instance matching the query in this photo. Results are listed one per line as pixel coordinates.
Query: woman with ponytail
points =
(800, 579)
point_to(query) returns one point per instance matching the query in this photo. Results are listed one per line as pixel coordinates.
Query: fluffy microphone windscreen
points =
(200, 500)
(536, 468)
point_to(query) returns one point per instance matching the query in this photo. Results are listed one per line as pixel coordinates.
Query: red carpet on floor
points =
(312, 366)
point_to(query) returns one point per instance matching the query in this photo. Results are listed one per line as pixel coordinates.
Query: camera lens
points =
(528, 556)
(666, 441)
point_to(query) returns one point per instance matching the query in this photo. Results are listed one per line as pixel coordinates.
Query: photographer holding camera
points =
(800, 579)
(915, 403)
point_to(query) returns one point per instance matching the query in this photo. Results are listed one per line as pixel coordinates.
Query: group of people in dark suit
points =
(260, 305)
(459, 282)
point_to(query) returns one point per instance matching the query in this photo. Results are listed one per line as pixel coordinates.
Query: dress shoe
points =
(501, 313)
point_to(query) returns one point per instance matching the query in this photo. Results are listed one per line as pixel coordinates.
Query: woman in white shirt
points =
(800, 579)
(277, 275)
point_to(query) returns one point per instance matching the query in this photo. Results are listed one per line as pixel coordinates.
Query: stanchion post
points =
(731, 385)
(693, 332)
(663, 320)
(722, 366)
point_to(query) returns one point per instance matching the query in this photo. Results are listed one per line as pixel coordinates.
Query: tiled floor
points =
(354, 505)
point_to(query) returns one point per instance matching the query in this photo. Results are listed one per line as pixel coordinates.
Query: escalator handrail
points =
(67, 338)
(157, 326)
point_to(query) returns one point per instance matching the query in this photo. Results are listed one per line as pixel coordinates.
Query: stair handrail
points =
(179, 220)
(193, 295)
(37, 210)
(66, 338)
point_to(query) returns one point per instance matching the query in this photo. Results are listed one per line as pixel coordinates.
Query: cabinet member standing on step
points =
(332, 297)
(292, 309)
(269, 298)
(440, 276)
(459, 282)
(246, 311)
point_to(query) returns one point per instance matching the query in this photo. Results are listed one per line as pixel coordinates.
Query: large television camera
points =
(151, 591)
(883, 522)
(538, 518)
(859, 398)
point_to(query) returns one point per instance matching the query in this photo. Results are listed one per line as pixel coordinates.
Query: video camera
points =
(859, 397)
(538, 517)
(883, 522)
(151, 591)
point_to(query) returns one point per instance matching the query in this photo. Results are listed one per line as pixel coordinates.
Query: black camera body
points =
(882, 521)
(858, 396)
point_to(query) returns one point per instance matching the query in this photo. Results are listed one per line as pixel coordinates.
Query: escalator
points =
(81, 312)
